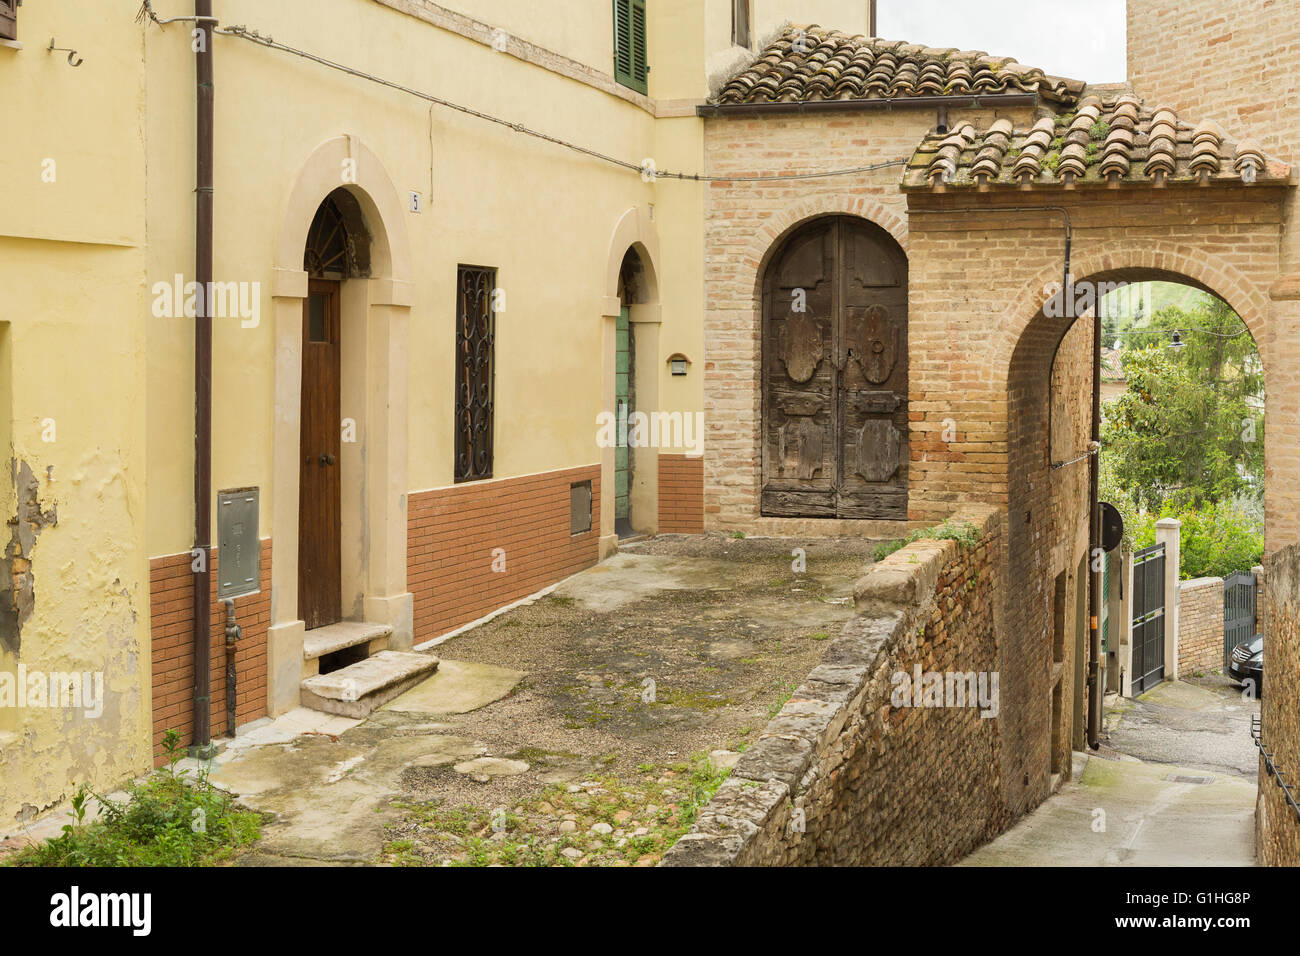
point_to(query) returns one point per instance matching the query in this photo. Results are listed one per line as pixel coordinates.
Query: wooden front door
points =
(834, 372)
(319, 546)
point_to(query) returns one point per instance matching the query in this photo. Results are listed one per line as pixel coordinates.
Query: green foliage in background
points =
(1188, 432)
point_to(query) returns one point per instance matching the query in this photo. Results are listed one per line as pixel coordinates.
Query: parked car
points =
(1247, 663)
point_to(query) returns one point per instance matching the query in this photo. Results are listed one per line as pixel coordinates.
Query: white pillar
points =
(1169, 532)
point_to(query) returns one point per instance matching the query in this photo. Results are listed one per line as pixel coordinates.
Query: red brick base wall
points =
(171, 605)
(454, 533)
(681, 494)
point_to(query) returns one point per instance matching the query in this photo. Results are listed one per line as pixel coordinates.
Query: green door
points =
(623, 411)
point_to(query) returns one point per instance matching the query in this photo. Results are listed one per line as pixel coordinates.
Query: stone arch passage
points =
(1048, 389)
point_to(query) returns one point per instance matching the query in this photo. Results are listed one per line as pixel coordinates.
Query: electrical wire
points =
(1221, 335)
(644, 169)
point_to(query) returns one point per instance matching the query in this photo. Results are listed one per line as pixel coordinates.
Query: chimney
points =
(873, 17)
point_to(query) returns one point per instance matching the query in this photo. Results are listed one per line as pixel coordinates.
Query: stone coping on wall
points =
(893, 597)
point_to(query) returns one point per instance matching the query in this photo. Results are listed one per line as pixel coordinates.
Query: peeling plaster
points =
(17, 582)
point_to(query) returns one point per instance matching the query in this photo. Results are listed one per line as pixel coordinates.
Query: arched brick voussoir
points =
(1137, 262)
(765, 241)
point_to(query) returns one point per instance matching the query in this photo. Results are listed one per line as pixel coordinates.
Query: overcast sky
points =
(1080, 39)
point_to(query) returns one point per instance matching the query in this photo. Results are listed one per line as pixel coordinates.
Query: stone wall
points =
(848, 773)
(1200, 626)
(1277, 827)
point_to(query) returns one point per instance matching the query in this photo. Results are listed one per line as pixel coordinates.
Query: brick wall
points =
(454, 533)
(744, 225)
(1239, 64)
(171, 603)
(834, 778)
(1277, 828)
(1200, 626)
(681, 494)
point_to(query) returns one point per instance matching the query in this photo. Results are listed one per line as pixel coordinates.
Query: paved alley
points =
(1172, 785)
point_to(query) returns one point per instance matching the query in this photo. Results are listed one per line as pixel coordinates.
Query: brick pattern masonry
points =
(171, 603)
(1200, 626)
(455, 533)
(1277, 827)
(681, 494)
(833, 779)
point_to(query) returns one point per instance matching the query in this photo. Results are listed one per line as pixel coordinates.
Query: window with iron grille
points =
(740, 22)
(475, 365)
(630, 64)
(9, 19)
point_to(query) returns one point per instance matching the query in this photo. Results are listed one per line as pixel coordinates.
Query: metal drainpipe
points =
(233, 633)
(205, 99)
(1094, 545)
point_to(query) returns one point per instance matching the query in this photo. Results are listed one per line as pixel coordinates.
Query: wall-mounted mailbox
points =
(678, 364)
(239, 551)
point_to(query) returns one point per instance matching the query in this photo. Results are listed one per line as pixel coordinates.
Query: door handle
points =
(327, 460)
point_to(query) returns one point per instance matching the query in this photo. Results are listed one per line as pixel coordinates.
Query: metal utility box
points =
(580, 507)
(239, 551)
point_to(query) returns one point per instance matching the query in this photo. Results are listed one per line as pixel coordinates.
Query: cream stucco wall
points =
(79, 259)
(72, 399)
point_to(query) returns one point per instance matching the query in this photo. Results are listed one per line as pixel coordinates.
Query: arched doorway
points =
(834, 374)
(1047, 611)
(337, 249)
(630, 387)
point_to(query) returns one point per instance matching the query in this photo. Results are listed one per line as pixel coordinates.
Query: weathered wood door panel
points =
(320, 593)
(835, 424)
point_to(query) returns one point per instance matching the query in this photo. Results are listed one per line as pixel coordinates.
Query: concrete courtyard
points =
(584, 727)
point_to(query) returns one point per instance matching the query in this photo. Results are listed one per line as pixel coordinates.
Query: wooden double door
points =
(320, 579)
(834, 374)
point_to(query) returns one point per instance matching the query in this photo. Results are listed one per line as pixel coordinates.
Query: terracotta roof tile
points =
(1109, 138)
(809, 64)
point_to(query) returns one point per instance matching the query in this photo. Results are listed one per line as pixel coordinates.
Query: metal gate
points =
(1148, 618)
(1240, 612)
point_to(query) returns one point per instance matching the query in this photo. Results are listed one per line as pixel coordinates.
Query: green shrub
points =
(963, 532)
(167, 820)
(1215, 540)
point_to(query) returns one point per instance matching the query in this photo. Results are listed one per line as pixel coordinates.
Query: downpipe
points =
(201, 746)
(1094, 547)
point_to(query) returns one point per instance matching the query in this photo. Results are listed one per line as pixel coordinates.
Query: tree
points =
(1189, 430)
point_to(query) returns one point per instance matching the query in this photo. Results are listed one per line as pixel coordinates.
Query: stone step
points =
(336, 637)
(358, 689)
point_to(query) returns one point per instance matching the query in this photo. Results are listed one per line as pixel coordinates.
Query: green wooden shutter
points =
(640, 66)
(630, 65)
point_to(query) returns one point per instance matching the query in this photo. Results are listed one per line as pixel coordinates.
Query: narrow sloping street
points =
(1172, 785)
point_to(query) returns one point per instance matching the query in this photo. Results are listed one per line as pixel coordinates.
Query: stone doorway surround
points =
(375, 396)
(634, 232)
